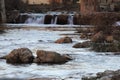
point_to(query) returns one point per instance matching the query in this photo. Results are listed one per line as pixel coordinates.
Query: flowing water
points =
(40, 18)
(85, 62)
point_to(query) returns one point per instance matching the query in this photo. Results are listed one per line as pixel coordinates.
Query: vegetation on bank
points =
(105, 35)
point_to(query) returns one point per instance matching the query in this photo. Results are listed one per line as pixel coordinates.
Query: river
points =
(85, 62)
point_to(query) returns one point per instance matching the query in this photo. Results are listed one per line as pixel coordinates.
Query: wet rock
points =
(3, 57)
(87, 78)
(86, 35)
(64, 40)
(21, 18)
(12, 16)
(116, 77)
(82, 45)
(116, 53)
(83, 36)
(48, 19)
(76, 19)
(62, 19)
(51, 57)
(2, 31)
(106, 75)
(20, 55)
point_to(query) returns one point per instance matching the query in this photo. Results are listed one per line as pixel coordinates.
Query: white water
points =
(55, 22)
(39, 19)
(84, 61)
(70, 20)
(35, 19)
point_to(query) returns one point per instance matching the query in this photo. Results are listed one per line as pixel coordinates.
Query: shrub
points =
(104, 22)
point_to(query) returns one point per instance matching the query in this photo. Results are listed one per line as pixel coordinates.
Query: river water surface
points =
(85, 62)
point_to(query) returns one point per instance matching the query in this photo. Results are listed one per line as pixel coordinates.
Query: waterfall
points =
(70, 20)
(40, 19)
(55, 21)
(35, 19)
(29, 20)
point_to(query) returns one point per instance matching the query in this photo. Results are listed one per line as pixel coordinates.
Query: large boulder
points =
(20, 55)
(64, 40)
(82, 45)
(50, 57)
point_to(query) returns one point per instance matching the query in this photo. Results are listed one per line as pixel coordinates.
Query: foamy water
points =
(84, 62)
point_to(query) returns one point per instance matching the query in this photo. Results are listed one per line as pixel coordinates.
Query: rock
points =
(50, 57)
(22, 18)
(105, 78)
(82, 45)
(106, 75)
(87, 78)
(62, 19)
(98, 37)
(86, 35)
(64, 40)
(12, 16)
(48, 19)
(83, 36)
(20, 55)
(3, 57)
(116, 53)
(116, 77)
(76, 19)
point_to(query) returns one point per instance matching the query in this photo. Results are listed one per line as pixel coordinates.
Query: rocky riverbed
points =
(85, 62)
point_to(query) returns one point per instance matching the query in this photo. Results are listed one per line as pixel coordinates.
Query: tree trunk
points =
(2, 11)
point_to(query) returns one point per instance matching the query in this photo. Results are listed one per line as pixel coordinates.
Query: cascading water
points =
(70, 20)
(35, 19)
(55, 21)
(40, 19)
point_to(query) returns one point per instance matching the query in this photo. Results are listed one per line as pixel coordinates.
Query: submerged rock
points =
(51, 57)
(20, 55)
(64, 40)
